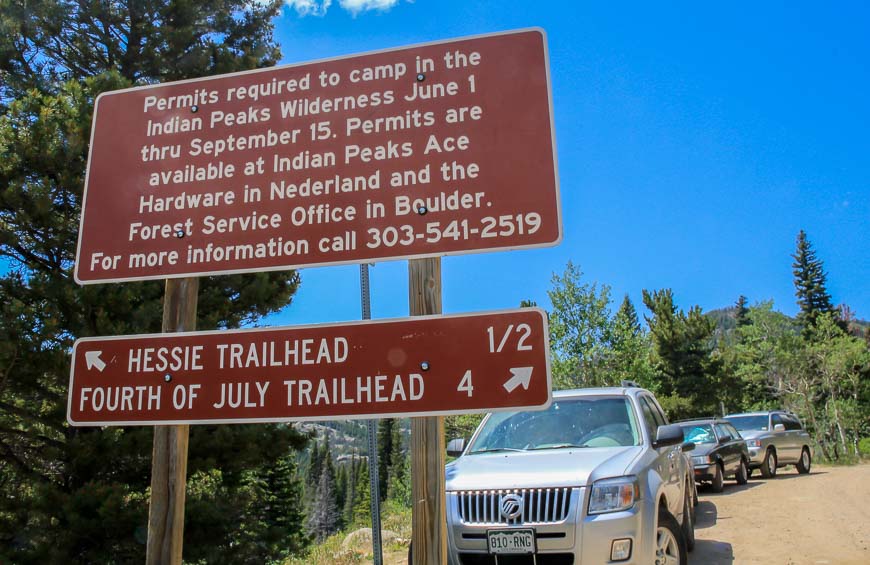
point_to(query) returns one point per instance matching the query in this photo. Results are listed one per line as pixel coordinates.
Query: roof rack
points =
(628, 383)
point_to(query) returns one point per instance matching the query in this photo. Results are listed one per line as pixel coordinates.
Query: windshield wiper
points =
(558, 446)
(494, 449)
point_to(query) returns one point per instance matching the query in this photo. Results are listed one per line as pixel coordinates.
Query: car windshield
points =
(568, 423)
(699, 433)
(743, 423)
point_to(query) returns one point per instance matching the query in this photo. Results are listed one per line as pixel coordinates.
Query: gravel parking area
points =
(823, 517)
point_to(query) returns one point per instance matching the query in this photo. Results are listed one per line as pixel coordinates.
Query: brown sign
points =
(403, 367)
(436, 149)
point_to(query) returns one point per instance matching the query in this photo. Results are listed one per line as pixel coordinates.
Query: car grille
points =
(540, 506)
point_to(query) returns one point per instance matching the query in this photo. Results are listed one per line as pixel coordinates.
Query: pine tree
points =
(741, 312)
(385, 454)
(688, 373)
(351, 496)
(56, 57)
(810, 281)
(363, 498)
(630, 350)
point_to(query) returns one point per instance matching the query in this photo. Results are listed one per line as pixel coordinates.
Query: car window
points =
(657, 414)
(791, 422)
(774, 420)
(573, 422)
(744, 423)
(723, 433)
(698, 433)
(731, 430)
(648, 419)
(658, 409)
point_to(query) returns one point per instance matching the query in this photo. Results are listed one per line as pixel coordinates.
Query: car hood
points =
(539, 469)
(702, 449)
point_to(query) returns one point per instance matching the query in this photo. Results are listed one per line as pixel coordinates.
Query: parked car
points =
(775, 439)
(720, 452)
(597, 477)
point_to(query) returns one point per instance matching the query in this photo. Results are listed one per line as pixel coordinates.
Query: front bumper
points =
(703, 472)
(579, 539)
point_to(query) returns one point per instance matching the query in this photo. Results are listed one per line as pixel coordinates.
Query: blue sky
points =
(694, 142)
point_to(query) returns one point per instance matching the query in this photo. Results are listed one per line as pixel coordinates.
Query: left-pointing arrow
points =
(92, 358)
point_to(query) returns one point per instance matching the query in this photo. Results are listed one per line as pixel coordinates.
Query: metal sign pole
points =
(372, 428)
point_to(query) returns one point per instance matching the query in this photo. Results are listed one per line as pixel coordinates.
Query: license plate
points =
(510, 541)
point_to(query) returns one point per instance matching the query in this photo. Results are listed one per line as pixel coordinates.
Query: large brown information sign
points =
(403, 367)
(436, 149)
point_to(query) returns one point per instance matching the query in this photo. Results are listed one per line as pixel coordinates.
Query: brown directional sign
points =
(436, 149)
(402, 367)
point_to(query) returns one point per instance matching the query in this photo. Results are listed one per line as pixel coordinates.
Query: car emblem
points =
(511, 506)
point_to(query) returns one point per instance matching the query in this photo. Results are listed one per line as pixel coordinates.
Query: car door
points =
(727, 448)
(795, 441)
(781, 440)
(670, 459)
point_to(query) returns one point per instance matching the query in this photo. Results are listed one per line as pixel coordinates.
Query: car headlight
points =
(613, 495)
(753, 443)
(700, 460)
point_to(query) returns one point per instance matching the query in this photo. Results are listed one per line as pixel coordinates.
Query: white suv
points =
(598, 477)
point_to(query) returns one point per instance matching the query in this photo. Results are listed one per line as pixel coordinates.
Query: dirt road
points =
(793, 519)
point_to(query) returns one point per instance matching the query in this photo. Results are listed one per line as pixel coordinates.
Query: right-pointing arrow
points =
(92, 359)
(520, 376)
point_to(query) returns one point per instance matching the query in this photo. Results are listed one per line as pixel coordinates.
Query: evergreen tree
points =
(385, 454)
(75, 495)
(810, 281)
(362, 504)
(630, 355)
(351, 496)
(741, 312)
(689, 375)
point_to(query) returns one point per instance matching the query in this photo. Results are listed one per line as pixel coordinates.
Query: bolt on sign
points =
(436, 149)
(387, 368)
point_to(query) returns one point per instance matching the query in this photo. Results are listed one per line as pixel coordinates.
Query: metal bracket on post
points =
(372, 429)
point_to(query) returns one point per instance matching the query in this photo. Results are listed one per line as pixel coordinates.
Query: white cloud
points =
(310, 7)
(357, 6)
(319, 7)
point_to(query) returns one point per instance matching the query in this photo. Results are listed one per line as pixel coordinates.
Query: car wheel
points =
(718, 482)
(670, 546)
(688, 521)
(749, 472)
(742, 474)
(805, 462)
(768, 466)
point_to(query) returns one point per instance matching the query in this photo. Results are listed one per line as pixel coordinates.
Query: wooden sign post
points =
(169, 454)
(428, 534)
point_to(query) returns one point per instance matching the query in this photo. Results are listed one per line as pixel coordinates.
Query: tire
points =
(670, 545)
(805, 462)
(688, 526)
(768, 466)
(718, 482)
(742, 474)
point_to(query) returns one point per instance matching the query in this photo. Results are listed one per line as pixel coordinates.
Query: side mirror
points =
(668, 435)
(779, 427)
(688, 446)
(455, 447)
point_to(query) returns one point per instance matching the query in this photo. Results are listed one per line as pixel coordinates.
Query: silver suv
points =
(598, 477)
(775, 439)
